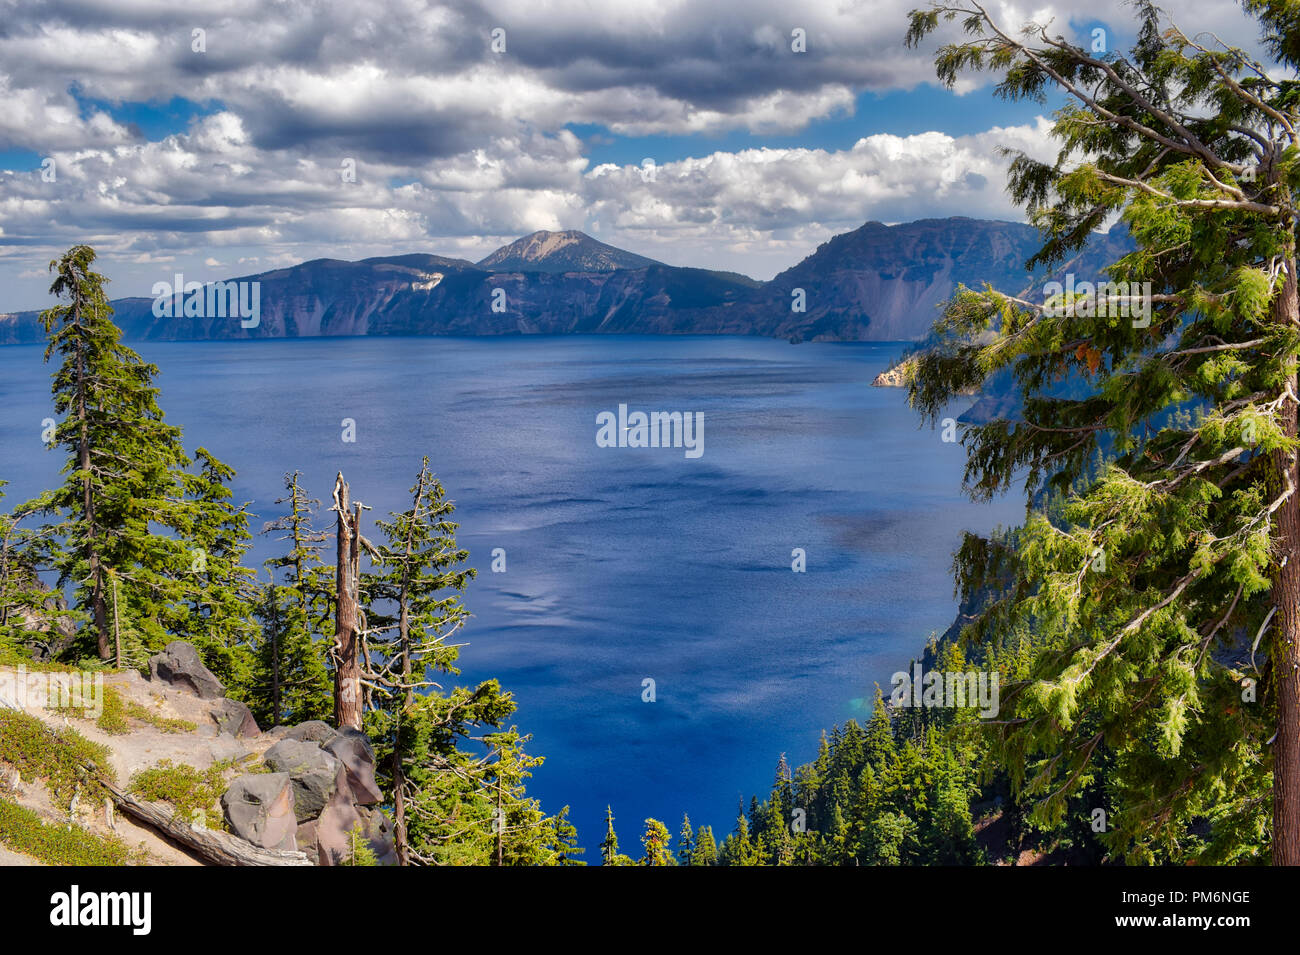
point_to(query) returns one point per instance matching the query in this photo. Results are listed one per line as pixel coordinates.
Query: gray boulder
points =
(259, 809)
(353, 749)
(333, 832)
(315, 731)
(307, 841)
(379, 834)
(236, 719)
(227, 748)
(316, 774)
(179, 665)
(333, 842)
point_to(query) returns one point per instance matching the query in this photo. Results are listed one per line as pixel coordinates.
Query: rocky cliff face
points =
(886, 283)
(877, 283)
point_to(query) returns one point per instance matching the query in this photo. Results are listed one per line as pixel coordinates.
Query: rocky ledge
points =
(292, 795)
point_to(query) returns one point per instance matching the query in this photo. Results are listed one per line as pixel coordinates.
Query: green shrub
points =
(190, 791)
(359, 851)
(18, 657)
(112, 718)
(62, 758)
(23, 830)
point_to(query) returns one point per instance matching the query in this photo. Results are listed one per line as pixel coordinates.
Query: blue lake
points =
(622, 564)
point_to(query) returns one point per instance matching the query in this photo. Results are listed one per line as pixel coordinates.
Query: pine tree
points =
(738, 848)
(609, 854)
(122, 503)
(685, 841)
(564, 839)
(218, 617)
(878, 747)
(782, 793)
(413, 608)
(811, 788)
(30, 615)
(468, 806)
(359, 851)
(837, 845)
(1169, 560)
(609, 845)
(890, 838)
(655, 842)
(706, 847)
(293, 683)
(778, 817)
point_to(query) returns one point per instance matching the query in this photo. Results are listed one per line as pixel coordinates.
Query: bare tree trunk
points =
(275, 652)
(213, 846)
(399, 806)
(347, 674)
(117, 626)
(501, 826)
(1286, 639)
(98, 607)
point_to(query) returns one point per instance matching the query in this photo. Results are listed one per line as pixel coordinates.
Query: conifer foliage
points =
(1147, 593)
(136, 529)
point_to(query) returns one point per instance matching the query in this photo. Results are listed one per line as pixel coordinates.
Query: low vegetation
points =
(23, 830)
(192, 792)
(63, 759)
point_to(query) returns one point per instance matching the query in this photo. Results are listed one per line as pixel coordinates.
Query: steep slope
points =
(886, 283)
(570, 251)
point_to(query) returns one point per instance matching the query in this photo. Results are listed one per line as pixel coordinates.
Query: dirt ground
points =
(142, 747)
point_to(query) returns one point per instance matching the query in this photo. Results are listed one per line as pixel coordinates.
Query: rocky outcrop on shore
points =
(893, 377)
(292, 795)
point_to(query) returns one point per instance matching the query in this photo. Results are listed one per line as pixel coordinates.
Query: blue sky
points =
(214, 140)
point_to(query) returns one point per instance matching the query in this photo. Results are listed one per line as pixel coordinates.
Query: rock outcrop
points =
(316, 731)
(895, 377)
(235, 718)
(315, 773)
(332, 774)
(295, 795)
(259, 808)
(354, 751)
(179, 664)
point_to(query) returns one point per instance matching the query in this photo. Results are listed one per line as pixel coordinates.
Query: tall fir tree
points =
(738, 848)
(1172, 558)
(123, 502)
(655, 843)
(685, 841)
(219, 614)
(414, 607)
(609, 854)
(705, 851)
(292, 681)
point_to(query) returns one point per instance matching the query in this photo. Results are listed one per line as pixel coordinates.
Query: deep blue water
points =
(622, 563)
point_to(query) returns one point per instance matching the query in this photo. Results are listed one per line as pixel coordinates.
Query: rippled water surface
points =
(622, 564)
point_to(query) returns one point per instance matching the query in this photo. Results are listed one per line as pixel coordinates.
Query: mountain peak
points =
(568, 251)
